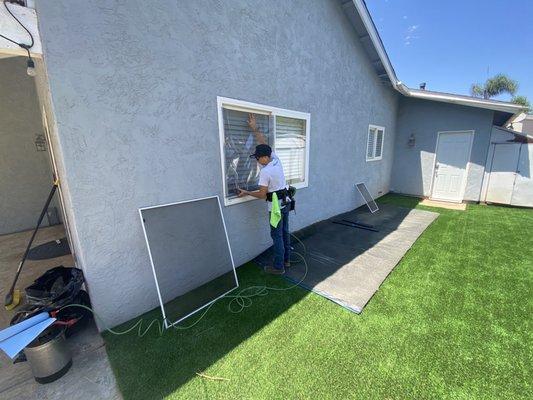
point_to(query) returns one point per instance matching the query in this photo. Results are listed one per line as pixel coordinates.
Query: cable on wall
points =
(30, 63)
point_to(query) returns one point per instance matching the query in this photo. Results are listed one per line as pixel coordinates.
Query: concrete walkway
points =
(347, 265)
(443, 204)
(90, 376)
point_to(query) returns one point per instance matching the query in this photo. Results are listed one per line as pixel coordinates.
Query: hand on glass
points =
(252, 123)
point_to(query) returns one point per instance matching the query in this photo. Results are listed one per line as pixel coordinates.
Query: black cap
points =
(262, 150)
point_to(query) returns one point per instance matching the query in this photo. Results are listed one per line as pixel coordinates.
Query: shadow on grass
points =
(155, 366)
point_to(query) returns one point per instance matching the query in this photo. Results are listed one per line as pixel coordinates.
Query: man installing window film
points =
(273, 188)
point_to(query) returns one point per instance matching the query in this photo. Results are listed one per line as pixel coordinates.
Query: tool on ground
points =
(13, 297)
(361, 225)
(355, 225)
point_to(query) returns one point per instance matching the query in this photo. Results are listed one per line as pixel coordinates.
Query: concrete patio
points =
(90, 376)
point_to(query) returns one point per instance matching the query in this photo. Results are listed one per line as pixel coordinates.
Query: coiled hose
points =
(239, 301)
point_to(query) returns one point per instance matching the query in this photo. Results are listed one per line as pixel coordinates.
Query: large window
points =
(374, 145)
(287, 132)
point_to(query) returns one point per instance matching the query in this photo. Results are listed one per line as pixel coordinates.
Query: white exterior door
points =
(451, 160)
(503, 173)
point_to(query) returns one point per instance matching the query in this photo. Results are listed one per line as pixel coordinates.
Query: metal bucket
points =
(49, 355)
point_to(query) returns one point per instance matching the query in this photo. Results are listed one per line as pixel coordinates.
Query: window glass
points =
(374, 145)
(241, 171)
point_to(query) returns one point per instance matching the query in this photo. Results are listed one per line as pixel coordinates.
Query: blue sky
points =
(450, 44)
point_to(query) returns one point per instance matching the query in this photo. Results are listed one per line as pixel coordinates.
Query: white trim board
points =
(377, 128)
(246, 106)
(467, 168)
(166, 323)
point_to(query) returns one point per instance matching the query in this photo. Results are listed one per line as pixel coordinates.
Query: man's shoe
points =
(274, 271)
(287, 264)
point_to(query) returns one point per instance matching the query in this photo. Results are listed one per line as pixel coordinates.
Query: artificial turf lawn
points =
(451, 321)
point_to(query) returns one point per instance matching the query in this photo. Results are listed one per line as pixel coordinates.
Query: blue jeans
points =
(282, 240)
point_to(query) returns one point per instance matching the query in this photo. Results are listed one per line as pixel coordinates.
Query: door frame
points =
(471, 132)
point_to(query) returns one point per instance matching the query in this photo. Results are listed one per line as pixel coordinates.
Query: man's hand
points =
(252, 122)
(258, 194)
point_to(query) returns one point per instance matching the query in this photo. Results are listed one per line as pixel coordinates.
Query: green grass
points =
(451, 321)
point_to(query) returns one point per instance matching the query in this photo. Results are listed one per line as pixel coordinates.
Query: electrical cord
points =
(26, 47)
(242, 299)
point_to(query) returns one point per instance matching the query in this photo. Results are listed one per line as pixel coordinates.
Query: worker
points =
(272, 180)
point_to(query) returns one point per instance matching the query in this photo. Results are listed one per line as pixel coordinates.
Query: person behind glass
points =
(272, 179)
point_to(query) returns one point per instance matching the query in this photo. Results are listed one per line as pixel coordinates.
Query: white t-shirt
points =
(272, 176)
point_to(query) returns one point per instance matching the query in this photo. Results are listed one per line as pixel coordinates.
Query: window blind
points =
(379, 143)
(290, 145)
(371, 143)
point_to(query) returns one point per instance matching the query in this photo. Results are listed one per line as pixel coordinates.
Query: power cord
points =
(242, 299)
(27, 47)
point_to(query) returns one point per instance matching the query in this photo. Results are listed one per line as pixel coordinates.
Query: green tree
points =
(523, 101)
(494, 86)
(499, 84)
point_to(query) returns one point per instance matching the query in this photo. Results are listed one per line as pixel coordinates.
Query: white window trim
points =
(247, 106)
(377, 127)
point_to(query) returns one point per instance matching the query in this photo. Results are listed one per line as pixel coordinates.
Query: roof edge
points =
(466, 100)
(363, 12)
(370, 27)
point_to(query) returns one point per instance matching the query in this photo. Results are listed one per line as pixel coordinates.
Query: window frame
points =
(246, 106)
(376, 128)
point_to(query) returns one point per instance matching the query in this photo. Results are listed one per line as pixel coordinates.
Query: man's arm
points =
(259, 194)
(259, 136)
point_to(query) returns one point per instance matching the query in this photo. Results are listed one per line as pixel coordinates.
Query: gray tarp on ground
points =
(347, 265)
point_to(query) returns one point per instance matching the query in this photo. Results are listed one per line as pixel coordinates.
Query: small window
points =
(287, 132)
(374, 145)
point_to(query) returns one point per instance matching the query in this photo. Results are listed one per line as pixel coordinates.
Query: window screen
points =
(241, 171)
(374, 146)
(190, 255)
(290, 145)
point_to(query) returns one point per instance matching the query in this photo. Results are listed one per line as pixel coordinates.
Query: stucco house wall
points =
(413, 166)
(136, 117)
(25, 173)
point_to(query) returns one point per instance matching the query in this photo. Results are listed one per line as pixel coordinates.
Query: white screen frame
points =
(166, 323)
